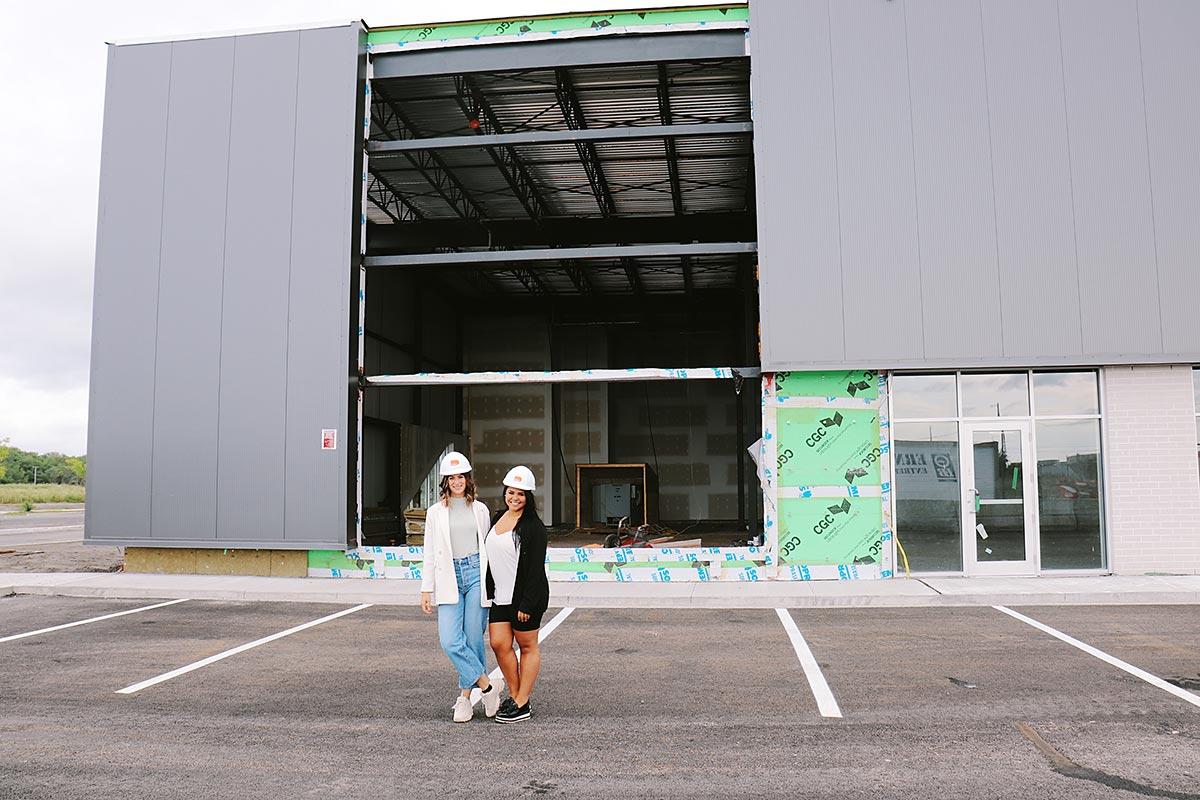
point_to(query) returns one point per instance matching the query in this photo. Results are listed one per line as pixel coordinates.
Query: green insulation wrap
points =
(520, 26)
(828, 530)
(828, 447)
(827, 475)
(854, 383)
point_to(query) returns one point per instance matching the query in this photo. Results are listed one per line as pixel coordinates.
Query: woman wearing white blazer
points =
(455, 558)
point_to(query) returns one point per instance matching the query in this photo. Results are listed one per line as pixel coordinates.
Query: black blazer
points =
(531, 591)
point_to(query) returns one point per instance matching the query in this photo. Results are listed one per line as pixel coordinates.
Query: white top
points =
(502, 560)
(464, 532)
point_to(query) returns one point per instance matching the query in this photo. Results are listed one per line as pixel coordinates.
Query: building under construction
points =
(778, 291)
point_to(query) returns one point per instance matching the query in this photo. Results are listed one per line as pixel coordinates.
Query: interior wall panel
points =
(1106, 123)
(188, 357)
(254, 319)
(125, 293)
(1171, 61)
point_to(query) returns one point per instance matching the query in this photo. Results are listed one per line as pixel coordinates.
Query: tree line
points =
(23, 466)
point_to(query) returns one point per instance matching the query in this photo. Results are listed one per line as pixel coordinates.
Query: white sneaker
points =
(491, 700)
(463, 710)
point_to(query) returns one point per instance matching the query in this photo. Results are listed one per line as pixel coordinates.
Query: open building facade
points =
(792, 290)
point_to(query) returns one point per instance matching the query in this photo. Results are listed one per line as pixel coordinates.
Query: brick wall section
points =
(1154, 484)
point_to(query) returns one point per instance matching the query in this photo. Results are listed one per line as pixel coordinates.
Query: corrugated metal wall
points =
(221, 319)
(976, 183)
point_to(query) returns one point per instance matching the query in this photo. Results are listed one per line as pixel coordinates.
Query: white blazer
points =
(437, 575)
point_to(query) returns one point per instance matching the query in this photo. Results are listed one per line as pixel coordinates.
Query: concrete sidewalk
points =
(1096, 590)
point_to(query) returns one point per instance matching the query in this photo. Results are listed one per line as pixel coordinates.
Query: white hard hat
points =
(454, 463)
(520, 478)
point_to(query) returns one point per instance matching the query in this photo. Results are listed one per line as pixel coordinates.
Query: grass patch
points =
(19, 493)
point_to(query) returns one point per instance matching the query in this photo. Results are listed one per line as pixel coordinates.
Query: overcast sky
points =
(52, 60)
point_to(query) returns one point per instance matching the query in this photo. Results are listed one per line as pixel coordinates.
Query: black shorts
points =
(508, 614)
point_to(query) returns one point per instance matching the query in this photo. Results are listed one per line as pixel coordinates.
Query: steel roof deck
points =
(505, 182)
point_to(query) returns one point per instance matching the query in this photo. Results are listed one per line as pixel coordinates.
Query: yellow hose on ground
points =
(903, 554)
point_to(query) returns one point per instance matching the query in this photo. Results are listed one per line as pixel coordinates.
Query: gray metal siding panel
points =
(1031, 167)
(799, 253)
(1038, 126)
(187, 362)
(957, 225)
(880, 252)
(1171, 62)
(1106, 124)
(322, 209)
(254, 317)
(121, 392)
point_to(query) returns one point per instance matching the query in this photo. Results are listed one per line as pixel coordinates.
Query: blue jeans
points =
(461, 626)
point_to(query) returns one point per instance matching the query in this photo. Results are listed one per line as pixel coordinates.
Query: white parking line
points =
(1153, 680)
(86, 621)
(204, 662)
(545, 631)
(816, 679)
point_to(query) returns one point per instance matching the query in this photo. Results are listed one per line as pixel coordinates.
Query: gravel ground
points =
(60, 558)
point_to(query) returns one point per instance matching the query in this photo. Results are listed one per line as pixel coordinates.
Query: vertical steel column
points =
(362, 308)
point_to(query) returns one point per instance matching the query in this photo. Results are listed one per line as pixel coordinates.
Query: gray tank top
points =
(464, 535)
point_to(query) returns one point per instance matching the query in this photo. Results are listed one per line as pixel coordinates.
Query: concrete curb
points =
(1156, 590)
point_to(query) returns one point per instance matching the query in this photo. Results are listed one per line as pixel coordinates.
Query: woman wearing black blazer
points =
(516, 580)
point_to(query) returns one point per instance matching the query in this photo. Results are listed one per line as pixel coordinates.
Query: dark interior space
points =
(567, 218)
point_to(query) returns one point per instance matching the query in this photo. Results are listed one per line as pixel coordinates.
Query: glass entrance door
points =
(999, 499)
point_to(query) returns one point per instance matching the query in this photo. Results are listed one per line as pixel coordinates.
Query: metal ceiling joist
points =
(427, 162)
(530, 280)
(631, 275)
(561, 254)
(391, 202)
(579, 278)
(664, 110)
(483, 120)
(568, 101)
(497, 140)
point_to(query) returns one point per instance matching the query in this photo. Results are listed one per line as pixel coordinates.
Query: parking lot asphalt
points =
(964, 702)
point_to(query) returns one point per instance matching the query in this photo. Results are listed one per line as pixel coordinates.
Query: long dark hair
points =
(469, 492)
(529, 508)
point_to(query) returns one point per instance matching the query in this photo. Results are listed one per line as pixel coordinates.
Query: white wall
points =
(1154, 484)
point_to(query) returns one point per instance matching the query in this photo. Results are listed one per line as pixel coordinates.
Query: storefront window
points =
(923, 396)
(928, 497)
(995, 395)
(1069, 510)
(1061, 447)
(1059, 393)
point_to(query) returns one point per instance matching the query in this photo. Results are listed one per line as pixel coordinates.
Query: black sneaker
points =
(507, 704)
(514, 713)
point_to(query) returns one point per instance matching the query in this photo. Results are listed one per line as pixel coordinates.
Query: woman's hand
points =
(427, 602)
(522, 616)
